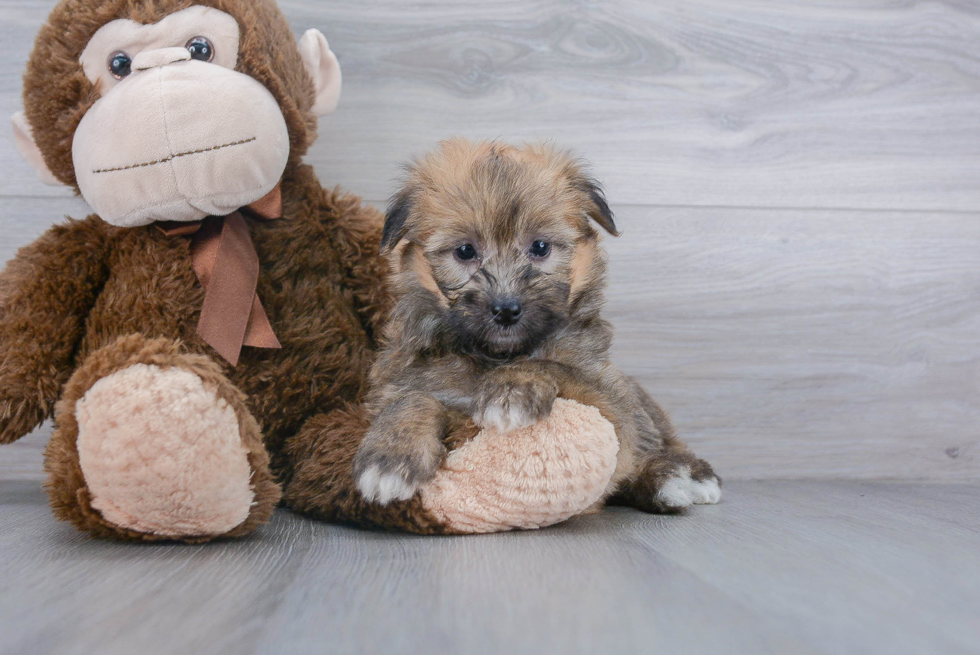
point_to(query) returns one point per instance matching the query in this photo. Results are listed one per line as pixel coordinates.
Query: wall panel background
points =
(799, 280)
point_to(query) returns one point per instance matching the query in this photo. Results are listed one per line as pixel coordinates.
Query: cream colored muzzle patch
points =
(177, 142)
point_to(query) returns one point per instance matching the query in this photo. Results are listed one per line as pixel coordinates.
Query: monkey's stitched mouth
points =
(172, 157)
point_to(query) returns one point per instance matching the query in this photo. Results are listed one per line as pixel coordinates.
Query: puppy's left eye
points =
(540, 249)
(465, 252)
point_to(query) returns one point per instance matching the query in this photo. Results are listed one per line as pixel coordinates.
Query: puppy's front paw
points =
(512, 405)
(382, 488)
(385, 474)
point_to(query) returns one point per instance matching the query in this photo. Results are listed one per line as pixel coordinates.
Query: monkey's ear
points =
(24, 140)
(396, 220)
(598, 209)
(323, 67)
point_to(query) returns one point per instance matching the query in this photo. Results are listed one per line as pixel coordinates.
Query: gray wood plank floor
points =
(778, 567)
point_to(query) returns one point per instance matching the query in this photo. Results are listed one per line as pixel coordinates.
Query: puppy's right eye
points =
(465, 252)
(540, 249)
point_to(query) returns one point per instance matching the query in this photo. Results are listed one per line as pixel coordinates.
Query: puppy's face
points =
(500, 239)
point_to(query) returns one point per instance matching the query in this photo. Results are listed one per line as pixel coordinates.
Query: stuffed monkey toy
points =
(203, 340)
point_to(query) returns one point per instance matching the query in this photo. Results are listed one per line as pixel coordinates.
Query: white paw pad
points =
(683, 491)
(382, 488)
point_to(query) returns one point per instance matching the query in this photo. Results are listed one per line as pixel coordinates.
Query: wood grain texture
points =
(809, 104)
(779, 568)
(23, 219)
(847, 104)
(789, 344)
(786, 340)
(807, 344)
(689, 102)
(24, 459)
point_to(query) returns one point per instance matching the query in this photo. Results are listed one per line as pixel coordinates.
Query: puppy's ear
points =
(598, 209)
(396, 220)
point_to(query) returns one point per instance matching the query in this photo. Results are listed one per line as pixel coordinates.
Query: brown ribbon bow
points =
(227, 266)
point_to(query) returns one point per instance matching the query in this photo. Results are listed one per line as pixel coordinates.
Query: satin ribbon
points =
(226, 264)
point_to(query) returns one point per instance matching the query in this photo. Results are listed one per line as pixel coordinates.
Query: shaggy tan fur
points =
(322, 485)
(480, 227)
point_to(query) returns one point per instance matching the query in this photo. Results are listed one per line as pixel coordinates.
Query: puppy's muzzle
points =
(506, 311)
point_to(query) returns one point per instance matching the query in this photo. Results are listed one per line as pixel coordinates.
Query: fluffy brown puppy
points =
(499, 280)
(157, 435)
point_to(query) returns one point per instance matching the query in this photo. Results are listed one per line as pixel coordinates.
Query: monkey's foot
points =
(162, 453)
(527, 478)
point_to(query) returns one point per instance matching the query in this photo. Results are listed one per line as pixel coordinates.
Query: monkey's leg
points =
(152, 443)
(323, 485)
(668, 477)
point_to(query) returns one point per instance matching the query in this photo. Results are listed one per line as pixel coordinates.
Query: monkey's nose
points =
(506, 311)
(160, 57)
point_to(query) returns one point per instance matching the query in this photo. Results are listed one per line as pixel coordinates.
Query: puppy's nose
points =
(506, 311)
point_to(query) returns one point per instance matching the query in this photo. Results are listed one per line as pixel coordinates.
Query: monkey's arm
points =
(46, 292)
(356, 235)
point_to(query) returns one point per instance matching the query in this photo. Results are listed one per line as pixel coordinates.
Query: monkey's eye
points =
(540, 249)
(465, 252)
(200, 49)
(119, 65)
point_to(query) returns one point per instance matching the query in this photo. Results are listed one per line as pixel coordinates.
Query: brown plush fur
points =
(445, 353)
(87, 297)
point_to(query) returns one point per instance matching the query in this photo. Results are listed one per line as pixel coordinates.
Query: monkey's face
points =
(174, 126)
(502, 238)
(178, 134)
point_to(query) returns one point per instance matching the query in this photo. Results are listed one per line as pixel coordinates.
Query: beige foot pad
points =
(528, 478)
(162, 454)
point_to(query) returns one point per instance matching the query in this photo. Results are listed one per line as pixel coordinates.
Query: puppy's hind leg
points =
(669, 477)
(669, 482)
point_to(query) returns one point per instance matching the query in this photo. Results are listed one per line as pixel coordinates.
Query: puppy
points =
(498, 276)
